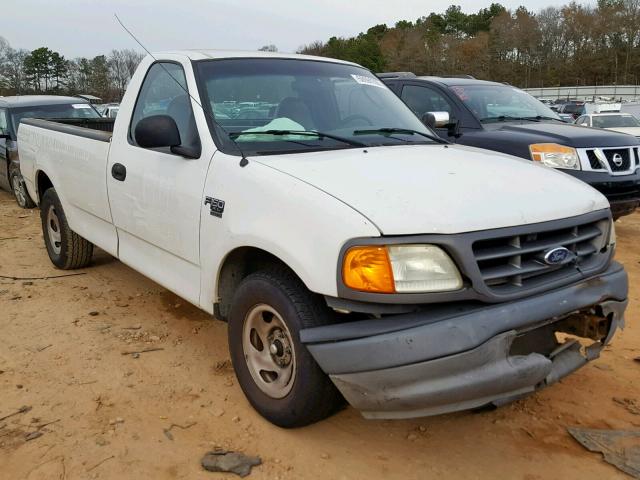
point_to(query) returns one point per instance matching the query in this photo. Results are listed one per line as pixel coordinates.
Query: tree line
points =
(44, 71)
(557, 46)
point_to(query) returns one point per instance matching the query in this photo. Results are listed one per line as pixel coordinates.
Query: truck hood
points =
(565, 134)
(635, 131)
(417, 189)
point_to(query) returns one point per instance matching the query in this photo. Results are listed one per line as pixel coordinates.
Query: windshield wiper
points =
(503, 118)
(389, 130)
(308, 133)
(542, 117)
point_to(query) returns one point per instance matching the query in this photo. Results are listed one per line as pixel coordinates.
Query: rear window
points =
(70, 110)
(579, 109)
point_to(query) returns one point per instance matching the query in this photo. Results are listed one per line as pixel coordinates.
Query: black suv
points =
(503, 118)
(12, 111)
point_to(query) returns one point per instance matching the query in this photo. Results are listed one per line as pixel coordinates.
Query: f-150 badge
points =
(216, 207)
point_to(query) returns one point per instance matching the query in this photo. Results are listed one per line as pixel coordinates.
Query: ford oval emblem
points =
(558, 256)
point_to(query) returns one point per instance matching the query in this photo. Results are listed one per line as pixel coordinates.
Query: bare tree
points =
(122, 65)
(12, 76)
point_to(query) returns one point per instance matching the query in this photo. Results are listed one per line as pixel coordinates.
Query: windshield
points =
(613, 121)
(495, 103)
(267, 104)
(70, 110)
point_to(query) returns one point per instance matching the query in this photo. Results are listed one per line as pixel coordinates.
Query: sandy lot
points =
(61, 353)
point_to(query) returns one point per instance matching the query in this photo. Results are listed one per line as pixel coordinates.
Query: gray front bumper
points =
(453, 359)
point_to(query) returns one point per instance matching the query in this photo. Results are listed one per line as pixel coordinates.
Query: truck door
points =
(155, 195)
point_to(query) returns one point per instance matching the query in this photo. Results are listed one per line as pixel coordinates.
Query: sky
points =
(77, 28)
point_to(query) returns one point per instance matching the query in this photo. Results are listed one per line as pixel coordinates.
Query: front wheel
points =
(20, 191)
(275, 370)
(67, 250)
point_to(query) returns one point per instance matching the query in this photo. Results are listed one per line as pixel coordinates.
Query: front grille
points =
(593, 160)
(622, 156)
(512, 263)
(615, 160)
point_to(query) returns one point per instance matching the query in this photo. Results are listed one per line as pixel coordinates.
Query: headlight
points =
(554, 155)
(400, 269)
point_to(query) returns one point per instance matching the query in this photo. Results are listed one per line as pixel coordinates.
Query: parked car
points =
(618, 122)
(353, 251)
(575, 109)
(566, 117)
(111, 110)
(506, 119)
(12, 111)
(631, 107)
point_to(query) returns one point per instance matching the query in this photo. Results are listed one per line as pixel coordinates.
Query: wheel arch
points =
(43, 183)
(236, 266)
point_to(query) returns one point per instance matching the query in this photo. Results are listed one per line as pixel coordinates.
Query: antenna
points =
(243, 160)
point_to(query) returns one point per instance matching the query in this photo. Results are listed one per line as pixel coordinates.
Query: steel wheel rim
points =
(18, 191)
(268, 351)
(53, 230)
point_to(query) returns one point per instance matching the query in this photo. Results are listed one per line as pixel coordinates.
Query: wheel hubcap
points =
(18, 191)
(53, 230)
(268, 351)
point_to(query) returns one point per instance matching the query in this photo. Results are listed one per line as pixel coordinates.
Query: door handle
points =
(119, 172)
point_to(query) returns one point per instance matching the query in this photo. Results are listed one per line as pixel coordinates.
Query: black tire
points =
(71, 251)
(19, 189)
(312, 397)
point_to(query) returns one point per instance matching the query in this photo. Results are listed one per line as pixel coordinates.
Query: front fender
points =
(275, 212)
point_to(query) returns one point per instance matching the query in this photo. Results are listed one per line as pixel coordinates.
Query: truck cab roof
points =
(206, 54)
(457, 80)
(446, 80)
(38, 100)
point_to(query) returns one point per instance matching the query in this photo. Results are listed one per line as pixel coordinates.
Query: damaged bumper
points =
(454, 358)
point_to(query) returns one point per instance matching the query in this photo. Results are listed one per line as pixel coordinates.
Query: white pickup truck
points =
(354, 254)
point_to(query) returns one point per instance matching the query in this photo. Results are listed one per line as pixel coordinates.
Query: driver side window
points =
(164, 92)
(424, 99)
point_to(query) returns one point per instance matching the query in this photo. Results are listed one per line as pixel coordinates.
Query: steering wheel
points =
(355, 118)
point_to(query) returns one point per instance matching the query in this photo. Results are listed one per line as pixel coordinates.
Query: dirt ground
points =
(61, 353)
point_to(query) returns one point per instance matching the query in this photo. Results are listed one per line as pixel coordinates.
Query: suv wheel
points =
(275, 370)
(20, 191)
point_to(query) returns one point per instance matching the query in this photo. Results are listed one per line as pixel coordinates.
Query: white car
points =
(111, 111)
(616, 121)
(353, 252)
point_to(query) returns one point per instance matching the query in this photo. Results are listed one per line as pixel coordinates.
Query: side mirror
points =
(158, 131)
(436, 119)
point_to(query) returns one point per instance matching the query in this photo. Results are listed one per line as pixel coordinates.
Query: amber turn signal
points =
(368, 269)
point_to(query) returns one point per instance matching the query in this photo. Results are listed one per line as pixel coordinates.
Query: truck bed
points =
(74, 155)
(94, 128)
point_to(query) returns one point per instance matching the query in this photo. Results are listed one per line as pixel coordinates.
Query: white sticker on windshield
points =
(364, 80)
(81, 105)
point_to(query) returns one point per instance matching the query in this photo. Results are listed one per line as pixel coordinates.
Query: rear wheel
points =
(20, 191)
(275, 370)
(67, 250)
